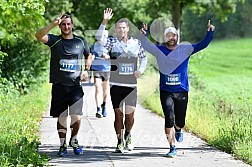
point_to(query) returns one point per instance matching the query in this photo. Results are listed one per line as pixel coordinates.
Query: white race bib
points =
(126, 68)
(68, 65)
(173, 79)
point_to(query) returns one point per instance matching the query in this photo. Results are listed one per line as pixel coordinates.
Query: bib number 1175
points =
(126, 68)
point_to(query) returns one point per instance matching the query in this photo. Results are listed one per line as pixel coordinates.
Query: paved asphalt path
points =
(98, 138)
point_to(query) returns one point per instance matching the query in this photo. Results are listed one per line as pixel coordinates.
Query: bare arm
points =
(41, 34)
(88, 62)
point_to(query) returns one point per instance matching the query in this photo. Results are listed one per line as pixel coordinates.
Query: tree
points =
(54, 8)
(220, 7)
(236, 25)
(19, 18)
(90, 12)
(239, 23)
(19, 53)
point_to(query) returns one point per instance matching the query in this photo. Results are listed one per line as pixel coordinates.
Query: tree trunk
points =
(176, 15)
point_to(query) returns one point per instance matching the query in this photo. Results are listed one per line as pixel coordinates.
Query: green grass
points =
(225, 103)
(219, 108)
(148, 87)
(226, 68)
(19, 126)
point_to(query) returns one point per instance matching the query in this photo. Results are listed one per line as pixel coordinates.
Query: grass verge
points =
(19, 126)
(219, 109)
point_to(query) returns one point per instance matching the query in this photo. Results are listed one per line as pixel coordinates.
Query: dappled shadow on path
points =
(97, 153)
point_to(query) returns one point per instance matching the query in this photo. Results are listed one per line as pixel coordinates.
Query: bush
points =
(25, 64)
(19, 126)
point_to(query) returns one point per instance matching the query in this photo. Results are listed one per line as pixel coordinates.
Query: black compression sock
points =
(103, 104)
(119, 141)
(177, 129)
(126, 134)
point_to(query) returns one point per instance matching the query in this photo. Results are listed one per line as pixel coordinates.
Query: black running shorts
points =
(174, 107)
(64, 98)
(121, 94)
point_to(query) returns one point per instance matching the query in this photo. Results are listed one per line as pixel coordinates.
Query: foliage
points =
(2, 55)
(90, 12)
(19, 127)
(236, 25)
(165, 8)
(56, 7)
(176, 9)
(146, 11)
(87, 14)
(21, 60)
(221, 8)
(22, 63)
(18, 18)
(222, 124)
(26, 64)
(219, 109)
(224, 108)
(148, 86)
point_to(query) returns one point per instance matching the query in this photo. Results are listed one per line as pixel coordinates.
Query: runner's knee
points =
(169, 123)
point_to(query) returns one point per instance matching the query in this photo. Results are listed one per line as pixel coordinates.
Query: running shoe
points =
(172, 153)
(120, 148)
(104, 112)
(62, 151)
(98, 113)
(129, 146)
(179, 135)
(76, 148)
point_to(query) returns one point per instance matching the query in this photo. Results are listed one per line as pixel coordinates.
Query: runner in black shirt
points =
(67, 52)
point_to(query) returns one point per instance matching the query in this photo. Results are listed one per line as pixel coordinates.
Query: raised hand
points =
(58, 19)
(144, 29)
(107, 15)
(210, 27)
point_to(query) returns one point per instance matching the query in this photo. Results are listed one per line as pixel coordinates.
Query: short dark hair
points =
(67, 15)
(122, 20)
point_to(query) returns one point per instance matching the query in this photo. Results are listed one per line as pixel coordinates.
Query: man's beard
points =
(171, 43)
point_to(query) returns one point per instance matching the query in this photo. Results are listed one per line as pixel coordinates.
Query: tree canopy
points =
(19, 55)
(19, 20)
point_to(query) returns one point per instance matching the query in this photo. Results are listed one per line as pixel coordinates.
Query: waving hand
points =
(107, 15)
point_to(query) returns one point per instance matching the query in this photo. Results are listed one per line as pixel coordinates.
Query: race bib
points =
(126, 68)
(173, 79)
(68, 65)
